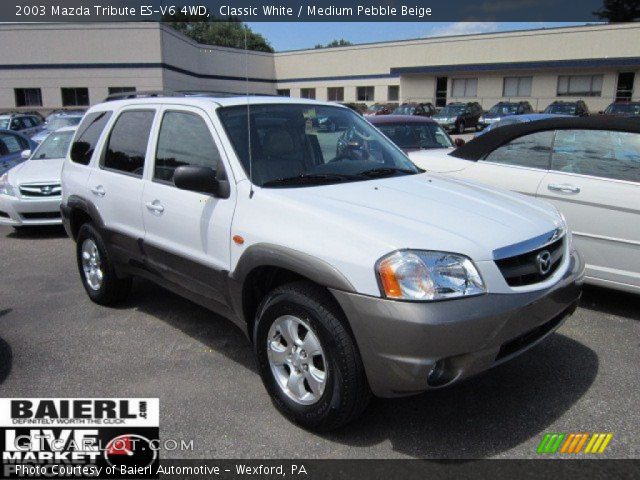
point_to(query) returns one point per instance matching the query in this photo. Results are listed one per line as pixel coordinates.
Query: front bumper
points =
(21, 212)
(410, 347)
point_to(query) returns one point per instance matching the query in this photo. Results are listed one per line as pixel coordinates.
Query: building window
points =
(580, 85)
(284, 92)
(335, 94)
(464, 87)
(393, 93)
(308, 93)
(28, 97)
(365, 94)
(517, 87)
(75, 97)
(114, 90)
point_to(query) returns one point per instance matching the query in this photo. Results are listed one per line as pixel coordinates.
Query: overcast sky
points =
(292, 36)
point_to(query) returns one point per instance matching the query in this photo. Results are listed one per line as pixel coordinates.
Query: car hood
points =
(37, 171)
(438, 161)
(422, 211)
(40, 136)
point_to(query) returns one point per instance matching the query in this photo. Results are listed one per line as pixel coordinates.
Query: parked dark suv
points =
(413, 108)
(623, 109)
(577, 109)
(458, 116)
(504, 109)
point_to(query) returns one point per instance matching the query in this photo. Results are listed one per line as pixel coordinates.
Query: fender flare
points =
(270, 255)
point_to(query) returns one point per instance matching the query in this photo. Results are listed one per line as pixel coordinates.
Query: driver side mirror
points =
(25, 154)
(458, 142)
(200, 179)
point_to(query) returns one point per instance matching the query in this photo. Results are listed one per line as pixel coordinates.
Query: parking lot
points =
(55, 343)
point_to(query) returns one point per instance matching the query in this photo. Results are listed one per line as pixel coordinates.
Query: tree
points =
(616, 11)
(225, 33)
(335, 43)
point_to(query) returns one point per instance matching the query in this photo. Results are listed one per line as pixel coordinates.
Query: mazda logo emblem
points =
(46, 190)
(543, 260)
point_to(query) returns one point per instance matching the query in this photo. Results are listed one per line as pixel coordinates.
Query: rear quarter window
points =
(88, 135)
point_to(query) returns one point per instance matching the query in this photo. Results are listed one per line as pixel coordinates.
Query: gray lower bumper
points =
(401, 343)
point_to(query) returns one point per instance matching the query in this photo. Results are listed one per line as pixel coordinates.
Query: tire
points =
(345, 393)
(461, 127)
(110, 289)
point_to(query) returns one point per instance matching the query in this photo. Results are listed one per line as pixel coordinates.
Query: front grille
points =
(40, 215)
(525, 269)
(41, 190)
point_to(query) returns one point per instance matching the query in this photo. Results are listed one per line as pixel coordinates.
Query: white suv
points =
(350, 269)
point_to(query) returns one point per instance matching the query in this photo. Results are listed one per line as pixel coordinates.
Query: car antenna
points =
(246, 76)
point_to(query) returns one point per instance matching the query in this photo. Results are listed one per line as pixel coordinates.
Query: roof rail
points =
(142, 94)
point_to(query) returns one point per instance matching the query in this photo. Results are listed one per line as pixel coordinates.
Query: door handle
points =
(155, 206)
(563, 187)
(99, 191)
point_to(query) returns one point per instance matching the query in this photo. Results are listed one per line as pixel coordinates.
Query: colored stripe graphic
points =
(550, 443)
(572, 443)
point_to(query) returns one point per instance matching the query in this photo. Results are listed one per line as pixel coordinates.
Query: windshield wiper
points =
(385, 171)
(309, 179)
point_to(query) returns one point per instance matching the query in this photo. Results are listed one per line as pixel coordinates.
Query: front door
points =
(518, 165)
(187, 239)
(441, 92)
(624, 90)
(595, 183)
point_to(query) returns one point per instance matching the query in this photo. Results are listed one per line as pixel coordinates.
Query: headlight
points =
(5, 186)
(426, 275)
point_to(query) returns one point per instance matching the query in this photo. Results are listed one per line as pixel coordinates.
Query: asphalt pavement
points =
(55, 343)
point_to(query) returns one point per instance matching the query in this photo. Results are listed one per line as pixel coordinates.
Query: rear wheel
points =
(307, 358)
(96, 269)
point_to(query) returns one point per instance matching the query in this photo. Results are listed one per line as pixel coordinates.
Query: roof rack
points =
(142, 94)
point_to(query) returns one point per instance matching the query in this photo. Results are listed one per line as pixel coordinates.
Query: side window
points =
(127, 144)
(89, 132)
(600, 153)
(11, 144)
(533, 151)
(184, 139)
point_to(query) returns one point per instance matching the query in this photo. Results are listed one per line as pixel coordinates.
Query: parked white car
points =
(589, 168)
(351, 271)
(30, 192)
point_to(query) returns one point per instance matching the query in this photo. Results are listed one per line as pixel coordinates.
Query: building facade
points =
(47, 66)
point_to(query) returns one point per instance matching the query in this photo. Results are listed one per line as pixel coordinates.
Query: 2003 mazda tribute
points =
(351, 270)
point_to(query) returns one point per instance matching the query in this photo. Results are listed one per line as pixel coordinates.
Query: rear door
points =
(188, 233)
(595, 182)
(519, 165)
(116, 185)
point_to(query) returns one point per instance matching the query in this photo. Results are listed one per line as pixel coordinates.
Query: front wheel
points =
(308, 360)
(96, 269)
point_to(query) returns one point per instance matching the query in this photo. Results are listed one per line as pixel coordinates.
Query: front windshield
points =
(4, 123)
(288, 147)
(564, 109)
(60, 122)
(503, 109)
(451, 111)
(404, 110)
(416, 135)
(624, 108)
(54, 146)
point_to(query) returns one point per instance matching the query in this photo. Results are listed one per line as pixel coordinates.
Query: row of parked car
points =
(331, 248)
(459, 116)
